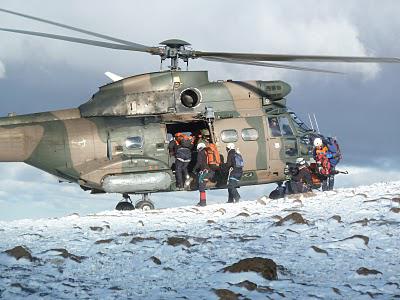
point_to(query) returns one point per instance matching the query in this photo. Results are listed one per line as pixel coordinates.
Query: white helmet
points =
(300, 161)
(201, 146)
(230, 146)
(318, 142)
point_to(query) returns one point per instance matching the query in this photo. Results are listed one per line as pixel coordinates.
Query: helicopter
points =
(117, 141)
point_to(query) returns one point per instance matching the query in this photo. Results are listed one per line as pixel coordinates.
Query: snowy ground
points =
(347, 248)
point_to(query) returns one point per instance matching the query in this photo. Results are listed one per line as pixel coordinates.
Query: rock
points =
(243, 214)
(156, 260)
(337, 218)
(267, 268)
(225, 294)
(396, 199)
(395, 210)
(248, 285)
(20, 252)
(336, 291)
(295, 218)
(142, 239)
(176, 241)
(65, 254)
(366, 272)
(96, 228)
(23, 289)
(359, 236)
(319, 250)
(210, 222)
(104, 241)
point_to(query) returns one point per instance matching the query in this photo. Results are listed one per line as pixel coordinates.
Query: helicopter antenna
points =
(311, 123)
(316, 123)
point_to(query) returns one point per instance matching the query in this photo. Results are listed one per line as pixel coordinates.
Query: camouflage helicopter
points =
(117, 142)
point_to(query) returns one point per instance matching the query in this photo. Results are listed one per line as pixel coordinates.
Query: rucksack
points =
(333, 147)
(213, 157)
(186, 142)
(239, 162)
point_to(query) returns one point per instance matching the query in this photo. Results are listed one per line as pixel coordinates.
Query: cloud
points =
(2, 70)
(264, 26)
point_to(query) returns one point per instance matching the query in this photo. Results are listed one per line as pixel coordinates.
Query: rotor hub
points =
(175, 49)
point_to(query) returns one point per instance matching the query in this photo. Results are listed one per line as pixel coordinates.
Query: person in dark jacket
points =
(234, 174)
(203, 172)
(183, 156)
(301, 181)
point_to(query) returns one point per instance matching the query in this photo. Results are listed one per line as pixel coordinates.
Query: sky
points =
(361, 108)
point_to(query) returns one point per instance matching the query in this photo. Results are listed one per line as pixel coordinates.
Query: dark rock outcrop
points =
(20, 252)
(294, 218)
(267, 268)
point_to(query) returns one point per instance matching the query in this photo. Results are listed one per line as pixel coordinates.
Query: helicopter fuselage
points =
(118, 141)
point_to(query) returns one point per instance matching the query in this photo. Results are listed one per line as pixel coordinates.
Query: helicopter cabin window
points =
(134, 142)
(229, 136)
(249, 134)
(290, 146)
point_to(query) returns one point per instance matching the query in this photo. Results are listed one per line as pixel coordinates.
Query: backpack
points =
(213, 157)
(334, 148)
(239, 162)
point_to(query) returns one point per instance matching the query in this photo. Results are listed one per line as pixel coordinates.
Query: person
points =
(301, 180)
(203, 172)
(234, 168)
(321, 156)
(274, 126)
(183, 156)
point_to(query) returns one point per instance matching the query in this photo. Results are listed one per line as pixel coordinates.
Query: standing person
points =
(183, 157)
(234, 168)
(203, 172)
(321, 157)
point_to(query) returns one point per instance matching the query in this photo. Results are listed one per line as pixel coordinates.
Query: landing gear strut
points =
(125, 204)
(145, 203)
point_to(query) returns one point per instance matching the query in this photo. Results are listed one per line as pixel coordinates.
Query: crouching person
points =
(301, 182)
(234, 168)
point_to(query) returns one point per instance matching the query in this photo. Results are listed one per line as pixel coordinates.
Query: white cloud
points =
(2, 70)
(311, 27)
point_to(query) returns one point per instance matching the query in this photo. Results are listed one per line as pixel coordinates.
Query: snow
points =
(113, 255)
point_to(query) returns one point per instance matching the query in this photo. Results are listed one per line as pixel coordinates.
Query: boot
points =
(202, 201)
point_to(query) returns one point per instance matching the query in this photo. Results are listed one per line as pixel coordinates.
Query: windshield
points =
(299, 123)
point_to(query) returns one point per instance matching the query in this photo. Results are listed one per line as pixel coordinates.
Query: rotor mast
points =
(175, 49)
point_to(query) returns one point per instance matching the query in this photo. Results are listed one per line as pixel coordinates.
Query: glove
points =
(320, 169)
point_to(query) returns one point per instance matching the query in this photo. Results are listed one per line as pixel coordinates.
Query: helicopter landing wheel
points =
(145, 203)
(125, 204)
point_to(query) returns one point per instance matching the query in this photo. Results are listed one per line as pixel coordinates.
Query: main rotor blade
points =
(139, 47)
(265, 64)
(76, 40)
(299, 58)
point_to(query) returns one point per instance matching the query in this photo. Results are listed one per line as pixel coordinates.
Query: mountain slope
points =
(339, 244)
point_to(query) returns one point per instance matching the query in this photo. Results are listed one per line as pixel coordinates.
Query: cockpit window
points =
(280, 126)
(299, 123)
(273, 123)
(134, 142)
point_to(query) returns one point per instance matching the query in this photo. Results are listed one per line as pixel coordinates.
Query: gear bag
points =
(333, 147)
(213, 158)
(239, 162)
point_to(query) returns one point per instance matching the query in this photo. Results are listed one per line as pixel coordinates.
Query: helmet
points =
(201, 146)
(300, 161)
(230, 146)
(318, 142)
